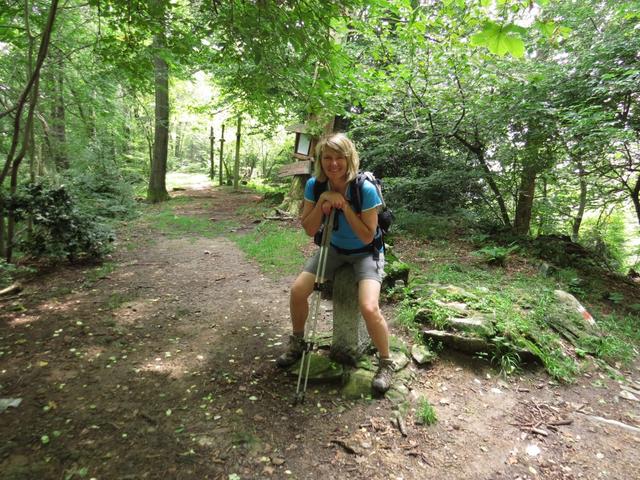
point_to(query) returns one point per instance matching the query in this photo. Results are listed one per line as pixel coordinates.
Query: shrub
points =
(60, 229)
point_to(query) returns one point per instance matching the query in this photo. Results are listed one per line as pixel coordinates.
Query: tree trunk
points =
(17, 127)
(157, 191)
(478, 150)
(221, 154)
(13, 161)
(58, 120)
(635, 198)
(212, 141)
(177, 148)
(526, 193)
(577, 222)
(236, 166)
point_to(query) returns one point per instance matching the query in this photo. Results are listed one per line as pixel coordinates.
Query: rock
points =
(321, 369)
(568, 300)
(400, 360)
(464, 343)
(478, 324)
(358, 385)
(533, 450)
(455, 306)
(546, 270)
(628, 396)
(422, 355)
(453, 291)
(396, 396)
(205, 441)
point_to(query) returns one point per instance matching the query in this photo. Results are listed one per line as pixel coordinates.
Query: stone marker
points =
(350, 337)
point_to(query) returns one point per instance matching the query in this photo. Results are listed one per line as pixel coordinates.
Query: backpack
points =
(385, 215)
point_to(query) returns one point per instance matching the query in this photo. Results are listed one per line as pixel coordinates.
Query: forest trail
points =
(161, 366)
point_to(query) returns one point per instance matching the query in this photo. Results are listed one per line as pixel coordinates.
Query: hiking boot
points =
(291, 356)
(382, 380)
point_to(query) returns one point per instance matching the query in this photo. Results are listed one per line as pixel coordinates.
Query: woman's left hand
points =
(335, 199)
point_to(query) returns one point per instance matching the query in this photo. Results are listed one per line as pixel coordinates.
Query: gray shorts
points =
(364, 266)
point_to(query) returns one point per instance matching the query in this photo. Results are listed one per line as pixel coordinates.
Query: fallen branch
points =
(15, 288)
(616, 423)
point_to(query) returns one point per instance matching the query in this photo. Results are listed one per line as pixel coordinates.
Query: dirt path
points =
(163, 368)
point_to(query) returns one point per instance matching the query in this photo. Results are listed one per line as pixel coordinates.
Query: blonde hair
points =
(340, 143)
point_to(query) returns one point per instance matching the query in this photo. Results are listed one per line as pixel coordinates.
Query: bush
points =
(60, 229)
(606, 238)
(441, 192)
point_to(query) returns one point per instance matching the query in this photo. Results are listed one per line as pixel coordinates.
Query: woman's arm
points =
(311, 216)
(363, 225)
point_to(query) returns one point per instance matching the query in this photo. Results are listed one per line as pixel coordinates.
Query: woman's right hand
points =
(326, 208)
(334, 199)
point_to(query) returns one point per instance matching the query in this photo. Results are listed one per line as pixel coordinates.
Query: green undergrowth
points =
(276, 247)
(520, 309)
(169, 220)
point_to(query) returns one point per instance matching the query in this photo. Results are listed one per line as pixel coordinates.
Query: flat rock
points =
(321, 369)
(422, 355)
(476, 323)
(464, 343)
(400, 360)
(358, 385)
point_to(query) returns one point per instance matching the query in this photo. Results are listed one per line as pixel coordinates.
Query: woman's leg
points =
(368, 298)
(298, 305)
(299, 301)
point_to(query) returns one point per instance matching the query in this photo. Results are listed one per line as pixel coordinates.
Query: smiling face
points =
(338, 159)
(334, 164)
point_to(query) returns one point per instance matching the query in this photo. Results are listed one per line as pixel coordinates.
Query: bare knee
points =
(371, 311)
(301, 288)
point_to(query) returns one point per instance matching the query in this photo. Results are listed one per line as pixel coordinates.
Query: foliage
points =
(442, 192)
(426, 413)
(10, 271)
(276, 248)
(60, 228)
(423, 225)
(606, 238)
(495, 254)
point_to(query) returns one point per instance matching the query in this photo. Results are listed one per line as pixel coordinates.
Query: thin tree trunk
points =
(478, 151)
(526, 193)
(157, 191)
(577, 222)
(236, 167)
(58, 120)
(221, 152)
(635, 198)
(12, 162)
(212, 140)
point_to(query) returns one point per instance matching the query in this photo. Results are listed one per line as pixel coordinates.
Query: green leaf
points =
(499, 39)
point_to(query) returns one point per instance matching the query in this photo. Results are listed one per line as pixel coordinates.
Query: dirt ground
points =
(164, 368)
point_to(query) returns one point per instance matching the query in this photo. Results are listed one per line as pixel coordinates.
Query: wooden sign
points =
(296, 168)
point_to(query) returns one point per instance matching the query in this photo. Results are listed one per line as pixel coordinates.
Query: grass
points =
(164, 218)
(275, 247)
(519, 303)
(95, 274)
(425, 412)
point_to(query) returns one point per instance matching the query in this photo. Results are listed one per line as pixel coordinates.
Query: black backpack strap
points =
(356, 192)
(318, 188)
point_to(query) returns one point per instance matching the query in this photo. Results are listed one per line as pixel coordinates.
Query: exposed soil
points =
(163, 368)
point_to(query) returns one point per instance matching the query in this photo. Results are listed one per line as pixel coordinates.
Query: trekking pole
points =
(314, 310)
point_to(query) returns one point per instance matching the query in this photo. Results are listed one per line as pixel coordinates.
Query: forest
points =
(148, 230)
(519, 114)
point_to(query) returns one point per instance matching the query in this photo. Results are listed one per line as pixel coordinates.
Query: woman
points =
(338, 165)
